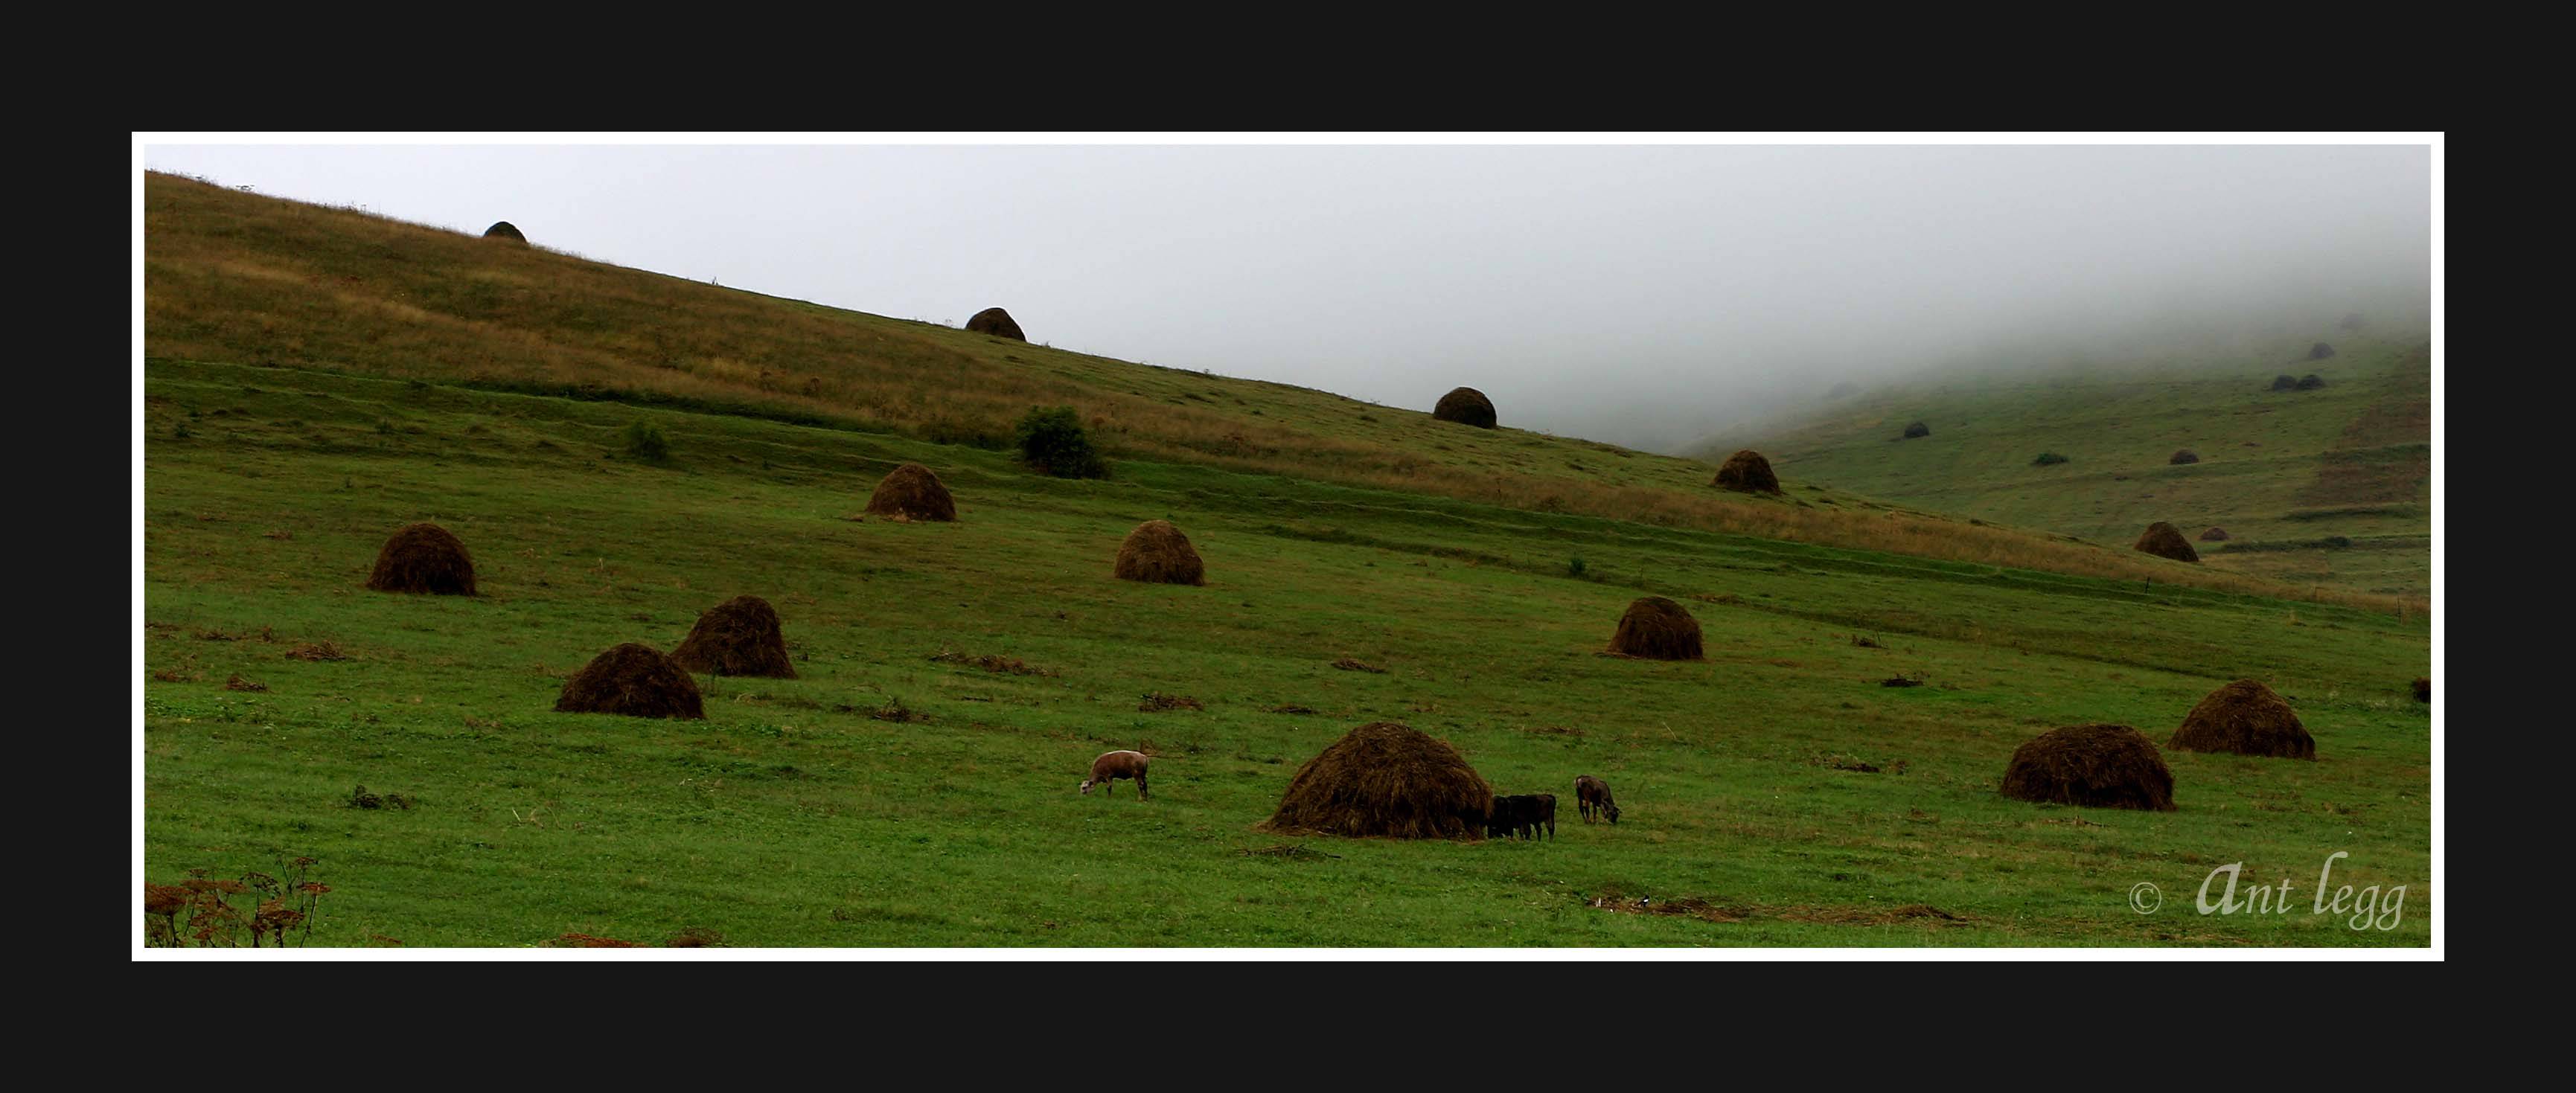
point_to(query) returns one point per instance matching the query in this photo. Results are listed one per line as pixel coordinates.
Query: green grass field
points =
(2329, 487)
(791, 817)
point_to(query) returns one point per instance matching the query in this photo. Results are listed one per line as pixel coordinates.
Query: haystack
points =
(2285, 383)
(1157, 552)
(2165, 541)
(739, 637)
(1918, 429)
(1657, 629)
(1385, 780)
(2214, 535)
(2311, 382)
(2098, 766)
(912, 492)
(2184, 456)
(996, 322)
(423, 558)
(1466, 406)
(2247, 718)
(503, 229)
(634, 681)
(2423, 689)
(1747, 472)
(2320, 351)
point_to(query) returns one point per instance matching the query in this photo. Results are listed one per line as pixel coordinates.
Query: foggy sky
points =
(1640, 295)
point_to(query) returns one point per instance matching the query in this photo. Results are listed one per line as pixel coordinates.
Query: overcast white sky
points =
(1634, 294)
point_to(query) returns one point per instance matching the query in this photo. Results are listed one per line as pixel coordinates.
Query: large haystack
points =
(1466, 406)
(1747, 472)
(912, 492)
(1157, 552)
(503, 229)
(1385, 780)
(739, 637)
(2165, 541)
(996, 322)
(634, 681)
(2098, 766)
(2186, 455)
(1657, 629)
(2247, 718)
(1917, 429)
(423, 558)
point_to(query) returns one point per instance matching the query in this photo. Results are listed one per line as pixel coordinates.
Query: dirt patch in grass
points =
(237, 683)
(1709, 910)
(992, 663)
(1158, 702)
(1295, 851)
(1349, 665)
(317, 651)
(1292, 709)
(1900, 681)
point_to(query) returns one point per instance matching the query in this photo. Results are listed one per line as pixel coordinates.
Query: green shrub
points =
(1053, 442)
(646, 442)
(2047, 459)
(1574, 566)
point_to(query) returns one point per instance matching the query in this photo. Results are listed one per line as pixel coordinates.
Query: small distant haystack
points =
(632, 680)
(2184, 456)
(2247, 718)
(912, 492)
(1918, 429)
(423, 558)
(739, 637)
(996, 322)
(2285, 382)
(2351, 321)
(1657, 629)
(2215, 534)
(2097, 766)
(1466, 406)
(2311, 382)
(1385, 780)
(2320, 351)
(503, 229)
(2165, 541)
(1747, 472)
(1157, 552)
(2423, 689)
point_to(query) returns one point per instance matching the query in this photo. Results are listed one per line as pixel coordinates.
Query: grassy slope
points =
(238, 277)
(790, 818)
(2281, 471)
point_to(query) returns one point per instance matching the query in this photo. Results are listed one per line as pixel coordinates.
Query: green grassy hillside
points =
(1778, 782)
(2329, 487)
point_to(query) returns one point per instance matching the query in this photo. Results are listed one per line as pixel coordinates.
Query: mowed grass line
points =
(793, 818)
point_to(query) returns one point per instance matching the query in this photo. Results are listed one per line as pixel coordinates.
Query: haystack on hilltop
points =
(634, 681)
(2098, 766)
(2320, 351)
(1466, 406)
(423, 558)
(2214, 535)
(1747, 472)
(996, 322)
(1385, 780)
(1657, 629)
(2247, 718)
(2184, 456)
(503, 229)
(2165, 541)
(1918, 429)
(912, 492)
(739, 637)
(1157, 552)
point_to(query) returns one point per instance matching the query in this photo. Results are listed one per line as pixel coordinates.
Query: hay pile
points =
(2311, 382)
(1918, 429)
(2285, 383)
(996, 322)
(2214, 535)
(1466, 406)
(1157, 552)
(634, 681)
(2098, 766)
(503, 229)
(423, 558)
(2185, 456)
(2320, 351)
(739, 637)
(1747, 472)
(2165, 541)
(2423, 689)
(1385, 780)
(2247, 718)
(912, 492)
(1657, 629)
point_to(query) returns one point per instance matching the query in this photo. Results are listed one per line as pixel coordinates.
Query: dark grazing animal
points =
(1523, 815)
(1504, 820)
(1542, 811)
(1114, 765)
(1592, 797)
